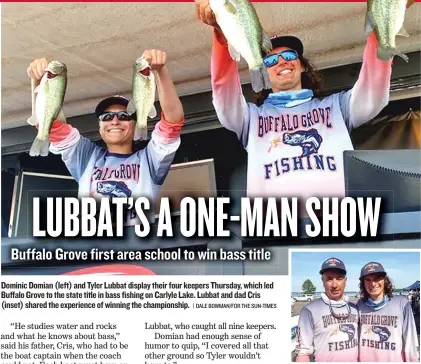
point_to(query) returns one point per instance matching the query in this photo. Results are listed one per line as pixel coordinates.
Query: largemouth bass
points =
(48, 105)
(143, 98)
(240, 24)
(386, 18)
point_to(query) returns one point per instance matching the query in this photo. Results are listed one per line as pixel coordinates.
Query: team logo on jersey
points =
(308, 140)
(382, 331)
(113, 189)
(348, 329)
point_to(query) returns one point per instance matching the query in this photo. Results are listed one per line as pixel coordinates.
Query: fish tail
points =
(40, 147)
(260, 79)
(141, 133)
(385, 54)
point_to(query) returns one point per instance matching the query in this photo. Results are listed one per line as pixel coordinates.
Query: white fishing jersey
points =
(388, 334)
(298, 151)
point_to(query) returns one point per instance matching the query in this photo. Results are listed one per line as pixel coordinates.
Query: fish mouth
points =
(50, 74)
(145, 72)
(56, 68)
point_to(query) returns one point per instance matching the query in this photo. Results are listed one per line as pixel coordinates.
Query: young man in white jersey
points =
(387, 326)
(328, 327)
(295, 141)
(117, 171)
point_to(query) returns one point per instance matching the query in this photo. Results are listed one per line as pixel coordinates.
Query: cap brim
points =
(382, 273)
(324, 270)
(288, 41)
(106, 103)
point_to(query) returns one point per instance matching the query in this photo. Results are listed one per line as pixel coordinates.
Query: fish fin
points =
(368, 27)
(234, 54)
(260, 79)
(385, 54)
(152, 112)
(140, 133)
(409, 3)
(60, 117)
(230, 8)
(131, 108)
(36, 89)
(32, 120)
(266, 43)
(403, 32)
(40, 147)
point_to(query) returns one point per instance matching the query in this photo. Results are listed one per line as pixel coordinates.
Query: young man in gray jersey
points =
(387, 325)
(328, 327)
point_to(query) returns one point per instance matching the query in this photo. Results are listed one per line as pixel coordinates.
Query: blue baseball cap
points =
(333, 263)
(370, 268)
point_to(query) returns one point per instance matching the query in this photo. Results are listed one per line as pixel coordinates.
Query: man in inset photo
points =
(328, 327)
(388, 332)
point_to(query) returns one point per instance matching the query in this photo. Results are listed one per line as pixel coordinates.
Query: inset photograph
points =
(349, 306)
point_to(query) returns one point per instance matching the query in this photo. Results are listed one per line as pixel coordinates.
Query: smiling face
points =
(285, 75)
(334, 282)
(374, 285)
(117, 134)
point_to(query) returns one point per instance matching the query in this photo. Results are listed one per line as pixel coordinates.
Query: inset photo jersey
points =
(330, 339)
(389, 334)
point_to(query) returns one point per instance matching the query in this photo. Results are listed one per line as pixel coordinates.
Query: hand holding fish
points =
(156, 58)
(204, 13)
(36, 68)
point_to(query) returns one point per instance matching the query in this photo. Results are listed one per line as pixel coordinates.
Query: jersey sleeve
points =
(409, 335)
(162, 147)
(74, 149)
(305, 340)
(228, 99)
(370, 93)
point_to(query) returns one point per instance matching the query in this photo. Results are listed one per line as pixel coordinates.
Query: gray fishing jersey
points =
(330, 339)
(389, 334)
(102, 174)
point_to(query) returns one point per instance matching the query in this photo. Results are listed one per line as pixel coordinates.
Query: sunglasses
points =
(272, 59)
(121, 115)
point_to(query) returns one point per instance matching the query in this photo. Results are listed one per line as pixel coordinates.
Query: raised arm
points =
(228, 100)
(165, 138)
(370, 93)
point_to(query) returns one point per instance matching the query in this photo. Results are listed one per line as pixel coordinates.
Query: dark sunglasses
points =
(121, 115)
(272, 59)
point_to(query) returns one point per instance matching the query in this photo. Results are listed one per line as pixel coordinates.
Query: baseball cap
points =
(288, 41)
(332, 263)
(372, 267)
(112, 100)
